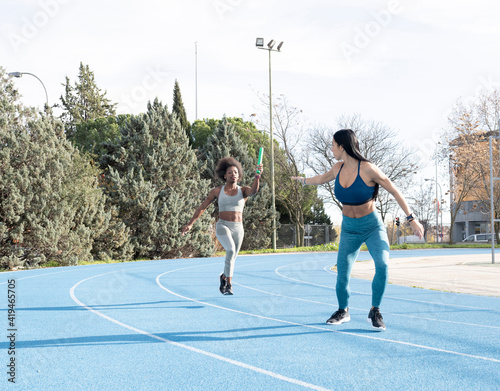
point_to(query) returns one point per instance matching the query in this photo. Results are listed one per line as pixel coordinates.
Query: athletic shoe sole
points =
(375, 328)
(228, 290)
(343, 320)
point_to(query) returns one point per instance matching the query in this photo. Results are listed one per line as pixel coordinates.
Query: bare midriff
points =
(235, 217)
(357, 211)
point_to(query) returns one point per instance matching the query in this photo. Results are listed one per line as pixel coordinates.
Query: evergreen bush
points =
(153, 180)
(51, 209)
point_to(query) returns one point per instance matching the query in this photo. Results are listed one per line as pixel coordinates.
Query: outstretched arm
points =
(319, 179)
(250, 191)
(379, 177)
(204, 205)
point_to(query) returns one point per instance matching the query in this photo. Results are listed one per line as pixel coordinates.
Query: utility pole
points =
(196, 80)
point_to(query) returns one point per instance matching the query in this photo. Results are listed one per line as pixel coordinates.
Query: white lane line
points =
(362, 309)
(420, 301)
(322, 328)
(284, 296)
(190, 348)
(389, 297)
(369, 294)
(37, 275)
(79, 268)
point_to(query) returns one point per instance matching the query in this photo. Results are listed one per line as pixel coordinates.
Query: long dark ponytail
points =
(346, 138)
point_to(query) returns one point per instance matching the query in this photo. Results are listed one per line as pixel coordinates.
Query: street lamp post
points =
(260, 45)
(438, 209)
(437, 200)
(20, 74)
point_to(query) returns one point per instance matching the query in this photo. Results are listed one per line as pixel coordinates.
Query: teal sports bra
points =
(358, 193)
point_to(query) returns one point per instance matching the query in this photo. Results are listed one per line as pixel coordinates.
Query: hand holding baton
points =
(259, 160)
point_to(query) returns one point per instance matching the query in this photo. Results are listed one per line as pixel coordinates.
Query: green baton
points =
(259, 160)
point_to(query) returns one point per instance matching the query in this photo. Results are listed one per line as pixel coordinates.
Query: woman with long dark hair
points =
(231, 201)
(357, 182)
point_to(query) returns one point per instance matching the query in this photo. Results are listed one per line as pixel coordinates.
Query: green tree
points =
(109, 235)
(293, 199)
(153, 179)
(317, 214)
(179, 110)
(84, 102)
(200, 131)
(90, 135)
(50, 206)
(224, 142)
(253, 138)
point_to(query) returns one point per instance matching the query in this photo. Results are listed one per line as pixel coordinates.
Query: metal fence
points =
(315, 234)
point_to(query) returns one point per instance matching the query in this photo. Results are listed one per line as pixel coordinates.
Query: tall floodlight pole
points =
(260, 45)
(20, 74)
(196, 80)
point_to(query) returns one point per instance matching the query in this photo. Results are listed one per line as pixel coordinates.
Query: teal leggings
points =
(368, 229)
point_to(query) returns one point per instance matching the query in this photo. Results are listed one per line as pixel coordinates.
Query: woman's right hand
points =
(186, 229)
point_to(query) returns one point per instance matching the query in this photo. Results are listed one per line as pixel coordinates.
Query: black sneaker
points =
(338, 317)
(223, 284)
(375, 318)
(229, 290)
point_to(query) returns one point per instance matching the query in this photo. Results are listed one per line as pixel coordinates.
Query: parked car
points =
(479, 238)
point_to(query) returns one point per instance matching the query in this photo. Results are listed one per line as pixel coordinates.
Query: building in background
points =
(470, 185)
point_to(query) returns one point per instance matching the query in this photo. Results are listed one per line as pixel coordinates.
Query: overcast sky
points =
(400, 62)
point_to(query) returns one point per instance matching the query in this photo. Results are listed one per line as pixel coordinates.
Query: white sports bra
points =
(234, 203)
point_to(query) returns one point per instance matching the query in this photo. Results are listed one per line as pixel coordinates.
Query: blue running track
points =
(163, 325)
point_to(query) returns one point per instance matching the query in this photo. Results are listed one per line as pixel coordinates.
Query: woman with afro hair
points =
(231, 200)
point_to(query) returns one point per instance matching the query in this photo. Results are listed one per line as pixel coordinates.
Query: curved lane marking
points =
(369, 294)
(190, 348)
(321, 328)
(362, 309)
(423, 301)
